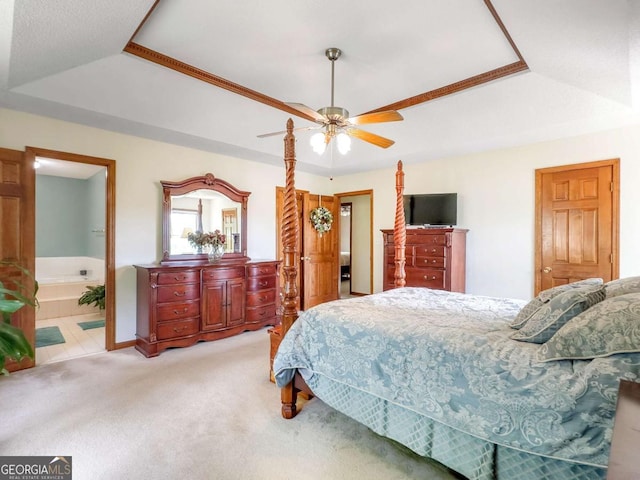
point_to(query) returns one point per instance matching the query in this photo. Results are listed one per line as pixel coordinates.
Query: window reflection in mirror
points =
(203, 211)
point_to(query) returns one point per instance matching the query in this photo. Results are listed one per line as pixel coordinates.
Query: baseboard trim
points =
(121, 345)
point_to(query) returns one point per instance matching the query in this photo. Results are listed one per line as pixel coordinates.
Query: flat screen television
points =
(431, 209)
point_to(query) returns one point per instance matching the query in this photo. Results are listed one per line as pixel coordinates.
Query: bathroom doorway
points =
(74, 254)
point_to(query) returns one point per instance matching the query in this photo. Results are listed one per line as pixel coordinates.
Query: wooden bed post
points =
(399, 231)
(289, 235)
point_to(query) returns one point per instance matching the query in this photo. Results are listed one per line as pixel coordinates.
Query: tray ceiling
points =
(467, 75)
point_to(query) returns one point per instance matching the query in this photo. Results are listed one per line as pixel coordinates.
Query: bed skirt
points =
(472, 457)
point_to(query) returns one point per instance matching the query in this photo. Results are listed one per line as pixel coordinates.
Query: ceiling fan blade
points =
(376, 117)
(308, 111)
(370, 137)
(284, 131)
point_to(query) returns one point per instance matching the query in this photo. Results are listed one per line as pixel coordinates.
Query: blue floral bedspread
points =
(448, 356)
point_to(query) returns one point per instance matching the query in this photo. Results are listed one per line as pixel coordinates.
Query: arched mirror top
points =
(203, 204)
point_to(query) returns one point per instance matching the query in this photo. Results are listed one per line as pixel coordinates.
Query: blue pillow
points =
(545, 296)
(612, 326)
(553, 315)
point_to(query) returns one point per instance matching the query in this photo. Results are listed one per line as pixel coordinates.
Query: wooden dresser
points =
(181, 304)
(435, 258)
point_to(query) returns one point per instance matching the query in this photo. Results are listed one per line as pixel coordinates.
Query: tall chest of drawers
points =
(179, 305)
(435, 258)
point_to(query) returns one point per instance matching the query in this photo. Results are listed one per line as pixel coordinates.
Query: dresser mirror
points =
(202, 204)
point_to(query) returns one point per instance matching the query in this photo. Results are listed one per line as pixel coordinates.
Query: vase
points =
(215, 253)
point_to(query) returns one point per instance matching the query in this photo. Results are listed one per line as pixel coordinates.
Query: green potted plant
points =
(13, 343)
(93, 295)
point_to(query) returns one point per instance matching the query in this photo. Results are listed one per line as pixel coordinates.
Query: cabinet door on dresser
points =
(223, 293)
(262, 293)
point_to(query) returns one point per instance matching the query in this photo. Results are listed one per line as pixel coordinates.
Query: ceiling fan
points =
(335, 121)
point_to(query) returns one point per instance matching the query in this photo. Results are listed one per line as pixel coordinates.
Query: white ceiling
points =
(66, 59)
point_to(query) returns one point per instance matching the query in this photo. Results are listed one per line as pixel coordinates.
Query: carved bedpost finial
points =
(399, 230)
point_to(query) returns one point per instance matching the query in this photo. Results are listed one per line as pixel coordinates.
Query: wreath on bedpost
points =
(321, 218)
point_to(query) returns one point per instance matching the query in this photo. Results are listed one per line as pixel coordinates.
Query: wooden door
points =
(320, 254)
(577, 223)
(317, 279)
(17, 236)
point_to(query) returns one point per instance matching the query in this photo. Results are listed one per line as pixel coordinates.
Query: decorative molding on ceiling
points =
(166, 61)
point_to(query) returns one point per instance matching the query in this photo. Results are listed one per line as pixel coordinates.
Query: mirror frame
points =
(205, 182)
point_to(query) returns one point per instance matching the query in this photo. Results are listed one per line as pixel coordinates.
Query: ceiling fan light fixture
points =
(318, 143)
(344, 143)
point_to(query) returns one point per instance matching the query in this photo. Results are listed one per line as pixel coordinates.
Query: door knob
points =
(547, 269)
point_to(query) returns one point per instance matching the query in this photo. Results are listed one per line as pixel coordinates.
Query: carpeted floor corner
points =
(203, 412)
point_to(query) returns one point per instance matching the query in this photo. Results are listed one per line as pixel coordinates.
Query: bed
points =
(473, 382)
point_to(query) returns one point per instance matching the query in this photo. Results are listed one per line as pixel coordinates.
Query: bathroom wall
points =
(60, 217)
(70, 216)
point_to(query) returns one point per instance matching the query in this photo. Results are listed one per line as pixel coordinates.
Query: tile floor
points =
(78, 342)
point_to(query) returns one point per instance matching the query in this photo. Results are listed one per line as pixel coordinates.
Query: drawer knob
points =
(179, 329)
(264, 283)
(177, 312)
(263, 298)
(179, 294)
(426, 277)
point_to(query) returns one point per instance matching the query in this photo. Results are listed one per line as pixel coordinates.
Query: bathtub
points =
(61, 284)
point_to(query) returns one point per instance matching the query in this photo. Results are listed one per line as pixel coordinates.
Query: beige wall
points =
(496, 203)
(495, 196)
(140, 166)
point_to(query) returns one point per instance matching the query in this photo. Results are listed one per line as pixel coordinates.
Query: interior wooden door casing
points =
(577, 223)
(17, 236)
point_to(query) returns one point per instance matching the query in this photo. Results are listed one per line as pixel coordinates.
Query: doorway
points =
(75, 215)
(358, 238)
(345, 249)
(577, 223)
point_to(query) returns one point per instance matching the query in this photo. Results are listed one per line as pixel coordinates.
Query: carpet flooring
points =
(204, 412)
(46, 336)
(92, 324)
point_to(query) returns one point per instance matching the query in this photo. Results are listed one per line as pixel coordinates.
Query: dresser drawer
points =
(178, 293)
(427, 239)
(175, 311)
(258, 270)
(260, 283)
(430, 251)
(425, 277)
(183, 276)
(222, 273)
(257, 299)
(408, 255)
(260, 313)
(181, 328)
(433, 262)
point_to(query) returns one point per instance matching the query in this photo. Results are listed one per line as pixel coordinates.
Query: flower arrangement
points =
(205, 239)
(321, 218)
